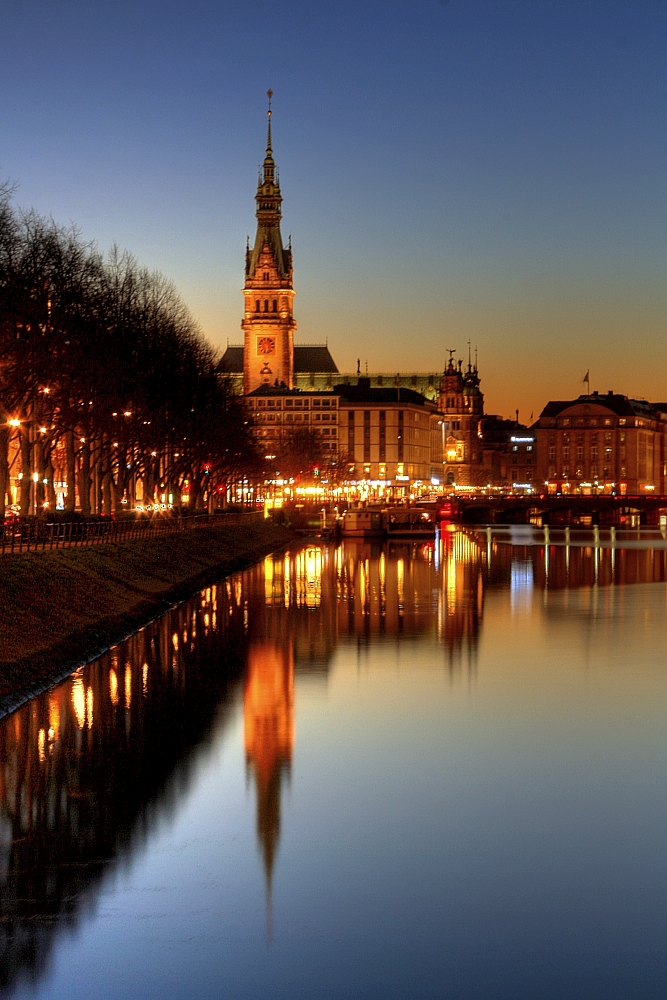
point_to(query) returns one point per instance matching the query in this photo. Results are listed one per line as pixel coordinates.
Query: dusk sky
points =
(492, 170)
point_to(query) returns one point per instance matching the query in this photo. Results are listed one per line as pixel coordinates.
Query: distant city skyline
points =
(485, 171)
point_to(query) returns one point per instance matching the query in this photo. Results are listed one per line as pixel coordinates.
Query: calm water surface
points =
(411, 771)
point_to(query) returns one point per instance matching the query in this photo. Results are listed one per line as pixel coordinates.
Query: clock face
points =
(266, 345)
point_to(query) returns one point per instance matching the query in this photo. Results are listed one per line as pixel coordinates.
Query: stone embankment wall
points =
(61, 608)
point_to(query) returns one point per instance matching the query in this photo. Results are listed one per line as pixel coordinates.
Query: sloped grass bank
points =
(59, 609)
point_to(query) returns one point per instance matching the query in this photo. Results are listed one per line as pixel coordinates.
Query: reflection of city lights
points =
(308, 578)
(128, 685)
(41, 740)
(113, 687)
(521, 584)
(144, 678)
(268, 580)
(79, 702)
(54, 718)
(89, 708)
(450, 580)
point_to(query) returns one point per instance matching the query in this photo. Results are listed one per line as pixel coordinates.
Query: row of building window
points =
(593, 422)
(274, 432)
(580, 472)
(297, 404)
(459, 403)
(297, 418)
(600, 422)
(580, 438)
(565, 453)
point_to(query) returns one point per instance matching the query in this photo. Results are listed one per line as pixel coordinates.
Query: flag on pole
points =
(586, 376)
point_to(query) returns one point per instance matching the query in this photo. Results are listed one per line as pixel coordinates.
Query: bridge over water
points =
(601, 509)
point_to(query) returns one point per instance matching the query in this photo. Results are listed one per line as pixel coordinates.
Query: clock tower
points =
(268, 322)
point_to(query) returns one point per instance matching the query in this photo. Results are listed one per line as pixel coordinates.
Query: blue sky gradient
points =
(492, 170)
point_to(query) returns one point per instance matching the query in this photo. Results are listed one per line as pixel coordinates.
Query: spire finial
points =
(269, 94)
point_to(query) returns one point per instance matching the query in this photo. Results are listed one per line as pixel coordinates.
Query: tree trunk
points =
(40, 468)
(97, 478)
(84, 479)
(50, 488)
(116, 495)
(196, 501)
(107, 504)
(4, 471)
(70, 499)
(26, 472)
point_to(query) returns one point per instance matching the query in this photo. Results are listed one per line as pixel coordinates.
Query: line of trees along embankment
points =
(107, 388)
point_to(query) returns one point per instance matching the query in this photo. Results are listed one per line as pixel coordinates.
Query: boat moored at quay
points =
(390, 522)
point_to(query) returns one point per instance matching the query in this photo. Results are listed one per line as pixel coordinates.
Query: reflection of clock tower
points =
(268, 324)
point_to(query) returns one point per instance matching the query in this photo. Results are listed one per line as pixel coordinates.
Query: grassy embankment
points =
(60, 608)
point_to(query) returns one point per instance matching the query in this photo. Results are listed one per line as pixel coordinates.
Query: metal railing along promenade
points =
(41, 536)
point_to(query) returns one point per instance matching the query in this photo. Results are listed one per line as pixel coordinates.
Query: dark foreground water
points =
(408, 772)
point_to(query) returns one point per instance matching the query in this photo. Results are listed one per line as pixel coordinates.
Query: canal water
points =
(405, 771)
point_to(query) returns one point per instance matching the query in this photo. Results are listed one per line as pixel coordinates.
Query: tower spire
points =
(268, 319)
(269, 169)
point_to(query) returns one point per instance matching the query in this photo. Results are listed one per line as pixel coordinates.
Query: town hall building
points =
(436, 419)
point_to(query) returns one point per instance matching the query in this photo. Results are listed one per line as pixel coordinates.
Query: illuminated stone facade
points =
(602, 443)
(279, 412)
(388, 435)
(461, 404)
